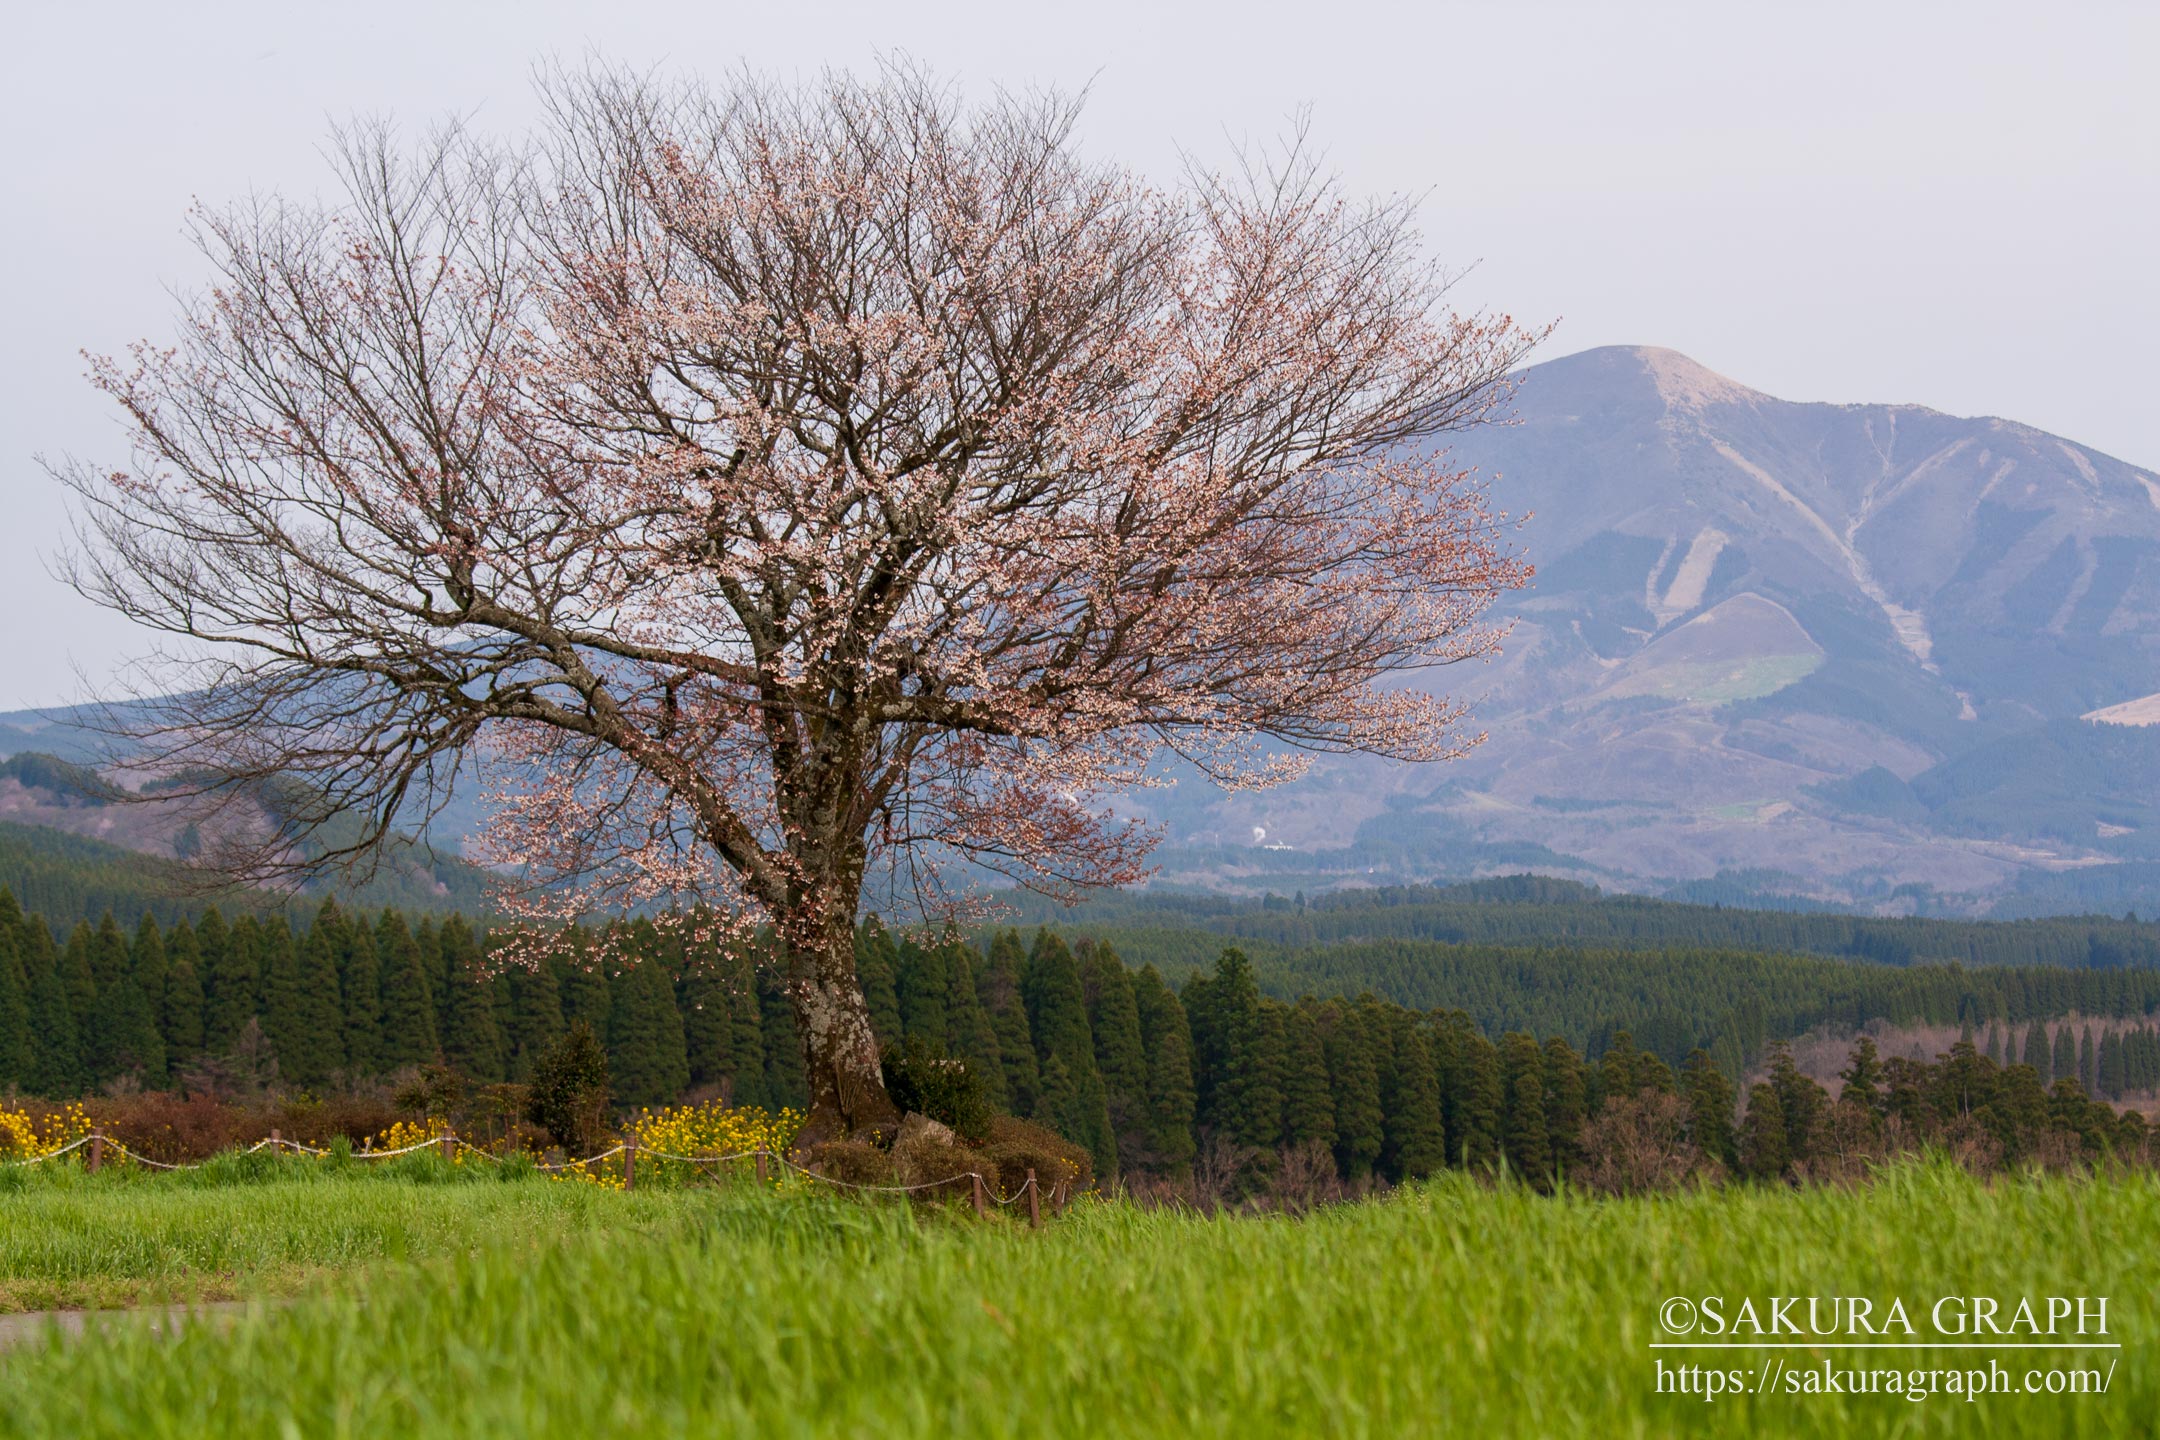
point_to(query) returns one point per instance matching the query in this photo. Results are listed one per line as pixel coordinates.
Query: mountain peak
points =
(1687, 385)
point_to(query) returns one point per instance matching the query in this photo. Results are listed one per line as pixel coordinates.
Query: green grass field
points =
(527, 1308)
(262, 1226)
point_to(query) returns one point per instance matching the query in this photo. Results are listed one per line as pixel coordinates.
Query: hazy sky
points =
(1955, 205)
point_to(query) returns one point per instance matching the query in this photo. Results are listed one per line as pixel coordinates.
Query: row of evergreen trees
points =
(346, 999)
(2122, 1062)
(1962, 1098)
(1110, 1056)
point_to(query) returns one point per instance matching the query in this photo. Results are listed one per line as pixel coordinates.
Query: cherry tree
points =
(769, 490)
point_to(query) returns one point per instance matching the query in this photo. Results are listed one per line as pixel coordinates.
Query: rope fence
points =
(101, 1145)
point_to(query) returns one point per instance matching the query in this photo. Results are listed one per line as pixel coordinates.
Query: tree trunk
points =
(840, 1050)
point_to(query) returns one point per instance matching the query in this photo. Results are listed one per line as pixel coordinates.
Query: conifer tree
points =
(2087, 1076)
(746, 1045)
(1416, 1143)
(1239, 1081)
(1710, 1101)
(1308, 1104)
(285, 1010)
(1484, 1103)
(1354, 1078)
(1763, 1155)
(183, 1013)
(785, 1083)
(1994, 1043)
(152, 963)
(310, 1042)
(1166, 1040)
(440, 977)
(360, 978)
(1803, 1105)
(922, 981)
(15, 1056)
(2018, 1111)
(1267, 1067)
(79, 978)
(708, 1029)
(1057, 1018)
(180, 1008)
(502, 1001)
(877, 961)
(582, 988)
(1120, 1056)
(1452, 1032)
(2065, 1064)
(2037, 1053)
(123, 1038)
(56, 1051)
(1863, 1077)
(1564, 1103)
(1625, 1070)
(569, 1090)
(1523, 1135)
(408, 1001)
(974, 1036)
(999, 989)
(1059, 1095)
(472, 1040)
(232, 979)
(2108, 1067)
(536, 1018)
(648, 1061)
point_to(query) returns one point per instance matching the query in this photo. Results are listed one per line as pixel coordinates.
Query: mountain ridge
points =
(1905, 587)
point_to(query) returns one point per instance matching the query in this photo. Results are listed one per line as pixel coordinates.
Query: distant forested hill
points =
(71, 878)
(1729, 1002)
(1532, 910)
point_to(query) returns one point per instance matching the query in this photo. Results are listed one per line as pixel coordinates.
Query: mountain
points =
(1855, 656)
(69, 843)
(1870, 655)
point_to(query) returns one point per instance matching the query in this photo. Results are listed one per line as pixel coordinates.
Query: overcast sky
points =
(1951, 205)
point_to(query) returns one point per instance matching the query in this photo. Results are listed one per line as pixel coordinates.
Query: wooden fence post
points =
(1034, 1201)
(277, 1141)
(449, 1146)
(978, 1195)
(629, 1163)
(97, 1149)
(761, 1165)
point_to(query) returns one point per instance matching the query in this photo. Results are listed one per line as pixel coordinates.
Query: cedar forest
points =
(1151, 1080)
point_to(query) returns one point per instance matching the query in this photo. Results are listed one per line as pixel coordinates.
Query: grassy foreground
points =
(1452, 1307)
(260, 1226)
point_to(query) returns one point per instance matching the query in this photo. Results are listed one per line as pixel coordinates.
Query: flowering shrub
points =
(403, 1134)
(715, 1129)
(697, 1132)
(25, 1133)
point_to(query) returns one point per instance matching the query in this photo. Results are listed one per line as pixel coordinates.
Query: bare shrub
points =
(1639, 1143)
(1222, 1172)
(851, 1162)
(1017, 1146)
(942, 1164)
(1305, 1177)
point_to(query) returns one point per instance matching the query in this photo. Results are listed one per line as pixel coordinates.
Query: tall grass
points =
(1448, 1309)
(247, 1225)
